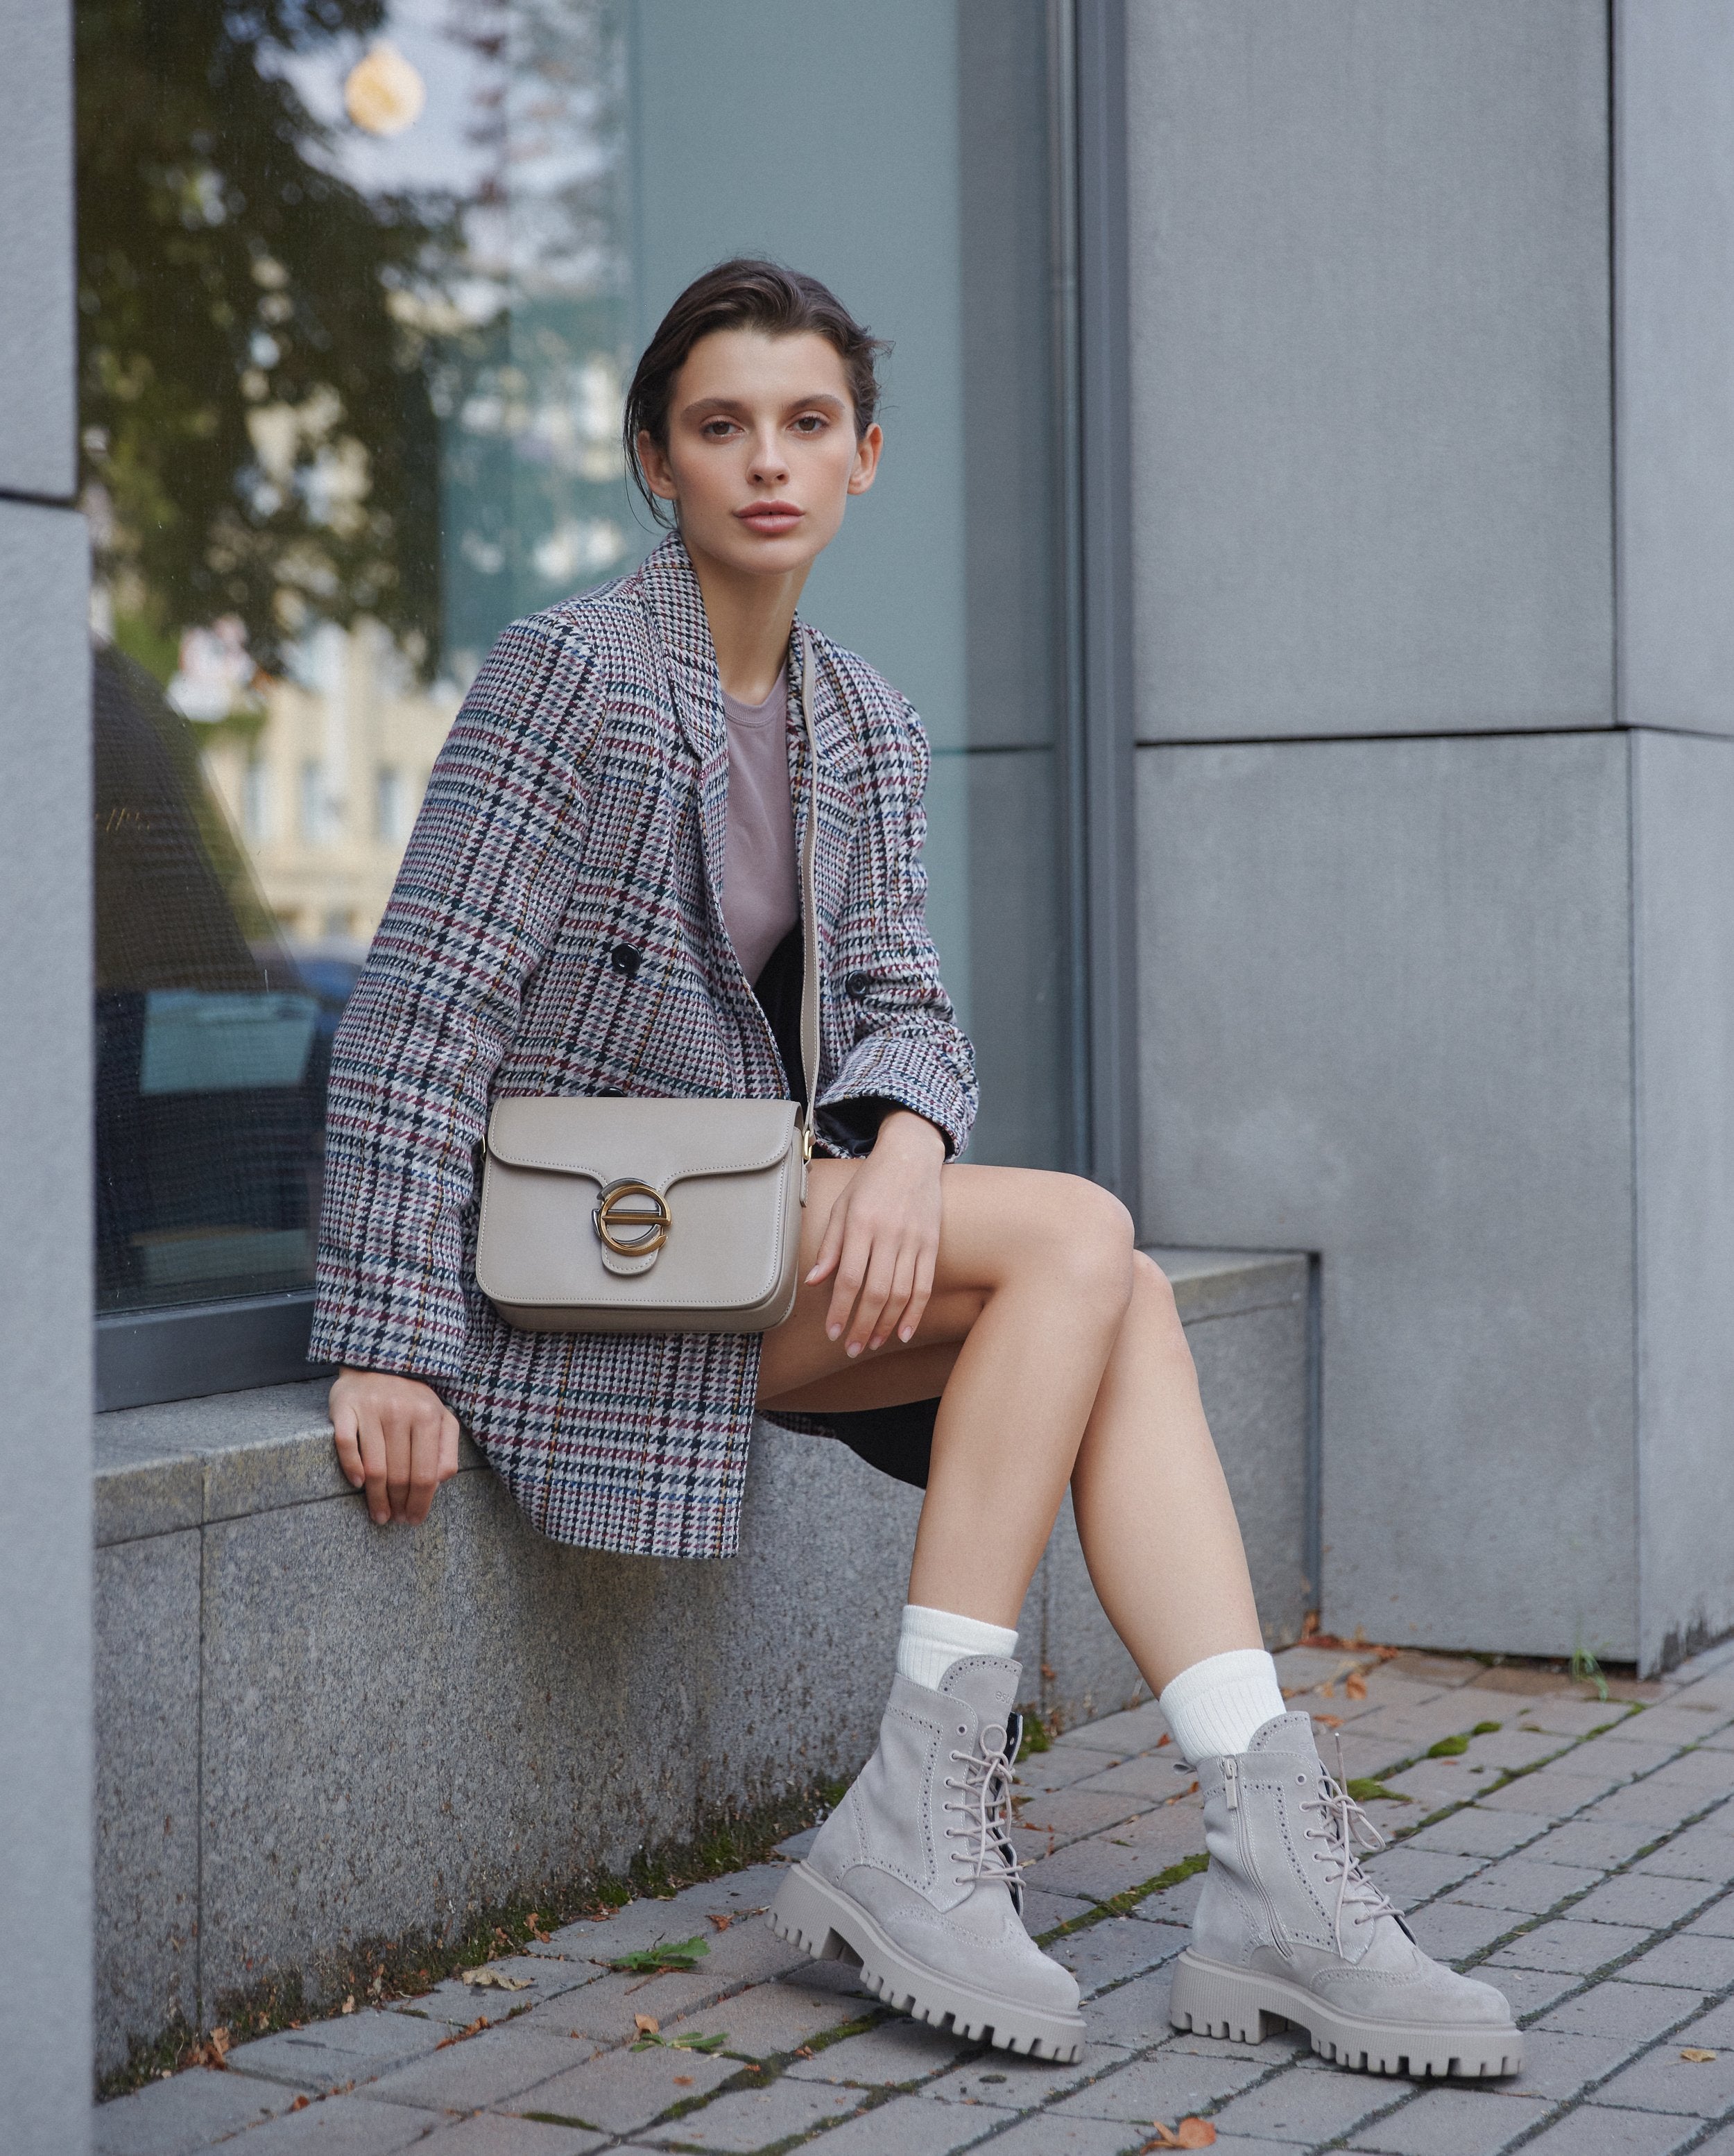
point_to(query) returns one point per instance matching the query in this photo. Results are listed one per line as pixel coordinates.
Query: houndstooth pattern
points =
(578, 805)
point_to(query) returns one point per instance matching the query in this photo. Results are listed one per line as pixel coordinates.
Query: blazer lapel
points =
(836, 784)
(675, 606)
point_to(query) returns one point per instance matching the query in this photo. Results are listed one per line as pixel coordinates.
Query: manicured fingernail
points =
(834, 1333)
(854, 1347)
(811, 1277)
(908, 1334)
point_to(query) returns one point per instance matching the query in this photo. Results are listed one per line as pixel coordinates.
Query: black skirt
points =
(899, 1441)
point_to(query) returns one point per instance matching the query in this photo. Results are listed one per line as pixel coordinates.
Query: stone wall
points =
(1434, 464)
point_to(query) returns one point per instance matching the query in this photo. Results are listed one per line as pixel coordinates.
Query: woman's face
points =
(762, 452)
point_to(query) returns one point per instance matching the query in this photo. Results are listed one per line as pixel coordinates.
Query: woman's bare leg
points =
(1153, 1509)
(1066, 1360)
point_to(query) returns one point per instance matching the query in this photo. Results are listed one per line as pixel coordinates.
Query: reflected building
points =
(324, 783)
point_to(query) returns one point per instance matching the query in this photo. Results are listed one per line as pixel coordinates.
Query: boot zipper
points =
(1231, 1788)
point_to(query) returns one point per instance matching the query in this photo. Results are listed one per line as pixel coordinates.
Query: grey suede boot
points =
(1288, 1927)
(913, 1876)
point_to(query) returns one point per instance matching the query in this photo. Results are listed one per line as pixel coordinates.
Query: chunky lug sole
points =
(1214, 2001)
(810, 1913)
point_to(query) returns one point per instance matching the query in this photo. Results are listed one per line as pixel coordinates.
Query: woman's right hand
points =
(396, 1439)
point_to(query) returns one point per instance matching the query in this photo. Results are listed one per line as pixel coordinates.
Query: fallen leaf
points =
(683, 2081)
(1354, 1686)
(646, 2024)
(348, 2005)
(486, 1979)
(300, 2104)
(475, 2029)
(1327, 1691)
(1699, 2058)
(804, 2052)
(1329, 1721)
(1191, 2133)
(1165, 1739)
(721, 1921)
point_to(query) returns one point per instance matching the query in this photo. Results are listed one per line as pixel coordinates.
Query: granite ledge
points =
(188, 1463)
(1229, 1283)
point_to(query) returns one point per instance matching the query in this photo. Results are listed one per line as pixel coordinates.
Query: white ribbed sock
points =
(1213, 1709)
(932, 1639)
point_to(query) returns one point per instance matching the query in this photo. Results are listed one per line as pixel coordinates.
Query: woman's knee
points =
(1153, 1292)
(1081, 1236)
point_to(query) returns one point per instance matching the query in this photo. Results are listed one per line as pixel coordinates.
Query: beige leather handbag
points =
(655, 1216)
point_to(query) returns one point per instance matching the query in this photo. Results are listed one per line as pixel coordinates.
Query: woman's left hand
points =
(883, 1237)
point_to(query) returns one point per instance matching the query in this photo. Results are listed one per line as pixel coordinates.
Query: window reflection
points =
(353, 296)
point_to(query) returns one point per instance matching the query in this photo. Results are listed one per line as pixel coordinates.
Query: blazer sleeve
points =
(909, 1051)
(483, 887)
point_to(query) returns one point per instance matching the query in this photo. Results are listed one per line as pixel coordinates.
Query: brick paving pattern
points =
(1577, 1853)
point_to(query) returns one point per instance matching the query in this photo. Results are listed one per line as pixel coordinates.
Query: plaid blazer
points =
(556, 928)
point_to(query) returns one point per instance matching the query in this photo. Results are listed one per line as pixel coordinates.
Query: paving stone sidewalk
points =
(1575, 1852)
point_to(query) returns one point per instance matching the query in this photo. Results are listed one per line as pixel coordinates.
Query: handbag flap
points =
(658, 1143)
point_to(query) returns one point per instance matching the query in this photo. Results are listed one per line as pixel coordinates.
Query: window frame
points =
(189, 1351)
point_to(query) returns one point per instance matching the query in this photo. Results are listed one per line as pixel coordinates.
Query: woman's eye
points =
(714, 430)
(810, 422)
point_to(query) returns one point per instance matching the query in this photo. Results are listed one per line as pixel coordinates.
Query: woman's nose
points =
(768, 462)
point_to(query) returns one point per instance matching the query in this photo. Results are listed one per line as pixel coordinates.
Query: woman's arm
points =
(908, 1049)
(483, 887)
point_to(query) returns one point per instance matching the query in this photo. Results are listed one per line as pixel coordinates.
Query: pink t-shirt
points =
(761, 884)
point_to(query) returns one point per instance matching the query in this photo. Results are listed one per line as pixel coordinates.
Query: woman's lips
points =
(771, 518)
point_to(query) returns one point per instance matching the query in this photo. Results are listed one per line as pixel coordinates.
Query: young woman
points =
(601, 896)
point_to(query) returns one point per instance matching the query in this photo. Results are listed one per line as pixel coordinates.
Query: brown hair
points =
(751, 295)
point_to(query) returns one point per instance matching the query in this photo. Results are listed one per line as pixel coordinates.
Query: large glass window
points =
(360, 284)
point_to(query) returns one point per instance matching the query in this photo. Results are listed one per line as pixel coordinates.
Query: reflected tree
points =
(254, 365)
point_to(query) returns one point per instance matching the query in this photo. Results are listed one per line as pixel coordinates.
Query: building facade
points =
(1307, 531)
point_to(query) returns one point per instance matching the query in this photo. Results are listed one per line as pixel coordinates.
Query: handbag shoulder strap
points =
(809, 909)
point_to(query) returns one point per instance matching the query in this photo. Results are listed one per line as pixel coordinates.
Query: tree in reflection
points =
(253, 389)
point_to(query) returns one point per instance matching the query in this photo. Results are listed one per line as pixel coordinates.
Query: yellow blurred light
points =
(384, 93)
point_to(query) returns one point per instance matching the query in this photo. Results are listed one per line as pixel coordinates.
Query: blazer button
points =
(625, 960)
(857, 984)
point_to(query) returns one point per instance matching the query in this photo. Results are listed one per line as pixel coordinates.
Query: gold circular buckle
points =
(632, 1219)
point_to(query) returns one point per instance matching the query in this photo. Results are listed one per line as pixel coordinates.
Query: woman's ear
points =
(658, 473)
(866, 459)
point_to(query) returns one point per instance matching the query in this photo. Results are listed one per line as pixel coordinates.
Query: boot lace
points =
(982, 1800)
(1346, 1830)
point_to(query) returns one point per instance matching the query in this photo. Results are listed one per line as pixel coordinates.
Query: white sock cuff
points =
(932, 1639)
(1214, 1709)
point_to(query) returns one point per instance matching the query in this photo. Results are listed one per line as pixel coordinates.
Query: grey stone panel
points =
(146, 1680)
(1370, 355)
(1252, 1377)
(1674, 203)
(1684, 846)
(1386, 1015)
(398, 1727)
(45, 1283)
(37, 355)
